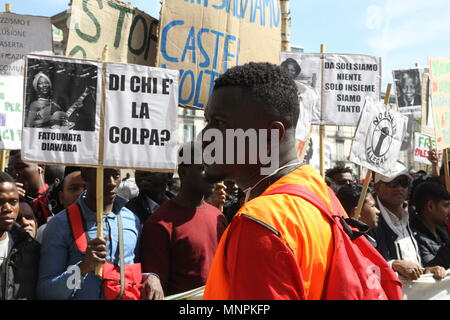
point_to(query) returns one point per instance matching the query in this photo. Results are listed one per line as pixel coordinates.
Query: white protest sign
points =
(19, 35)
(332, 87)
(422, 147)
(347, 81)
(378, 137)
(141, 117)
(408, 91)
(62, 111)
(305, 70)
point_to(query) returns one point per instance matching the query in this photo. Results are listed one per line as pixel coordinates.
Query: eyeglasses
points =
(404, 183)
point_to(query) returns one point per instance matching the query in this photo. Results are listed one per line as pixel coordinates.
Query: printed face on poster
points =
(19, 35)
(62, 111)
(408, 91)
(305, 70)
(378, 138)
(141, 117)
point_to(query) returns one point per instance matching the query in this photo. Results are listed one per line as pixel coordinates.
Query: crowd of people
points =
(229, 227)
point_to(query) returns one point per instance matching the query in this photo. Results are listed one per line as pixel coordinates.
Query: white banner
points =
(332, 90)
(427, 288)
(141, 117)
(378, 137)
(62, 113)
(19, 35)
(422, 147)
(408, 91)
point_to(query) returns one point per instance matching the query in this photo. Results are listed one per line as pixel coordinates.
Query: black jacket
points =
(385, 238)
(142, 208)
(433, 251)
(19, 272)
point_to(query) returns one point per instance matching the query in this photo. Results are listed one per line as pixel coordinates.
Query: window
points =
(188, 132)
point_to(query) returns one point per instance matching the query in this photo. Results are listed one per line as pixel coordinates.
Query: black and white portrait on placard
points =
(60, 95)
(305, 70)
(408, 91)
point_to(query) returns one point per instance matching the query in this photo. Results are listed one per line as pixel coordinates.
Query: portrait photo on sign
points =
(408, 90)
(60, 95)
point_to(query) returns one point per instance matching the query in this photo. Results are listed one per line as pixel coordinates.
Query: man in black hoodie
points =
(432, 203)
(19, 252)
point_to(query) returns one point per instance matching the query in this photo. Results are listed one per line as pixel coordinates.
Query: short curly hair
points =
(349, 195)
(336, 170)
(267, 86)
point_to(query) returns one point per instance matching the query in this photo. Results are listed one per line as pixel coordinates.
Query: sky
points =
(402, 32)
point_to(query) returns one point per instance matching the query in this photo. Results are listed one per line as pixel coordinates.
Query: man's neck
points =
(188, 199)
(3, 235)
(397, 210)
(429, 222)
(91, 203)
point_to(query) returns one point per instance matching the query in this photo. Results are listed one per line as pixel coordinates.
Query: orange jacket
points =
(300, 225)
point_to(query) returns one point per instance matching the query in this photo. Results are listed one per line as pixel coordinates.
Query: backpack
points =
(357, 270)
(118, 283)
(47, 204)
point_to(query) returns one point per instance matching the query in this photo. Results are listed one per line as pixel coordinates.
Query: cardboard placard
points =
(440, 100)
(140, 117)
(131, 35)
(204, 39)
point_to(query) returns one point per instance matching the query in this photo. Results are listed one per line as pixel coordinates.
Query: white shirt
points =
(5, 247)
(405, 244)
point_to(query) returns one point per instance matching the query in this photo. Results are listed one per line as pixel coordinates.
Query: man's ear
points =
(277, 125)
(430, 205)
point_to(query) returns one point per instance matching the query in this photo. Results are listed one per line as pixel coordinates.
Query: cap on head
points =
(399, 170)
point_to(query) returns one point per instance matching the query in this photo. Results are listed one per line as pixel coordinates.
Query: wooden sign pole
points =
(100, 175)
(362, 197)
(322, 129)
(446, 170)
(4, 151)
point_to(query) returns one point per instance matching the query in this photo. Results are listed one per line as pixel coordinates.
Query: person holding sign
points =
(66, 273)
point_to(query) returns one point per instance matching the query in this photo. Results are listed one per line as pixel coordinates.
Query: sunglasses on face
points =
(404, 183)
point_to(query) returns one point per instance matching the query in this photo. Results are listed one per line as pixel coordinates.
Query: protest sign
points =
(408, 91)
(378, 137)
(440, 100)
(131, 35)
(347, 81)
(333, 90)
(422, 147)
(140, 117)
(306, 72)
(19, 35)
(204, 39)
(61, 113)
